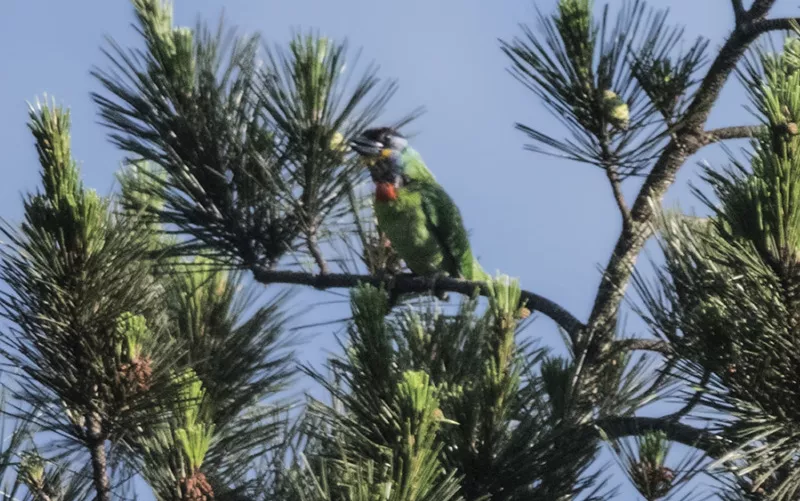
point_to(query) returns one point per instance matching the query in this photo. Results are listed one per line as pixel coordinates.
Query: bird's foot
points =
(433, 279)
(388, 280)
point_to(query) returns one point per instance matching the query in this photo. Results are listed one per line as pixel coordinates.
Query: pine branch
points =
(407, 283)
(778, 24)
(696, 398)
(97, 451)
(614, 427)
(687, 140)
(759, 9)
(734, 132)
(316, 253)
(616, 188)
(634, 344)
(738, 11)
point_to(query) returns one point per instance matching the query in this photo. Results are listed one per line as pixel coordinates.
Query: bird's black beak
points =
(366, 147)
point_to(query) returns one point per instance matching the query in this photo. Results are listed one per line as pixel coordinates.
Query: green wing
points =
(445, 224)
(414, 167)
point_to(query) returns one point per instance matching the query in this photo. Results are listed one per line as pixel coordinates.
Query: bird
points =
(420, 219)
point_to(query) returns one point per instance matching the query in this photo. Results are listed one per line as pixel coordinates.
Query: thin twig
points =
(692, 403)
(407, 283)
(616, 188)
(316, 253)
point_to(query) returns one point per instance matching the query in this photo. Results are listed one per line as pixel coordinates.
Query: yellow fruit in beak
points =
(386, 153)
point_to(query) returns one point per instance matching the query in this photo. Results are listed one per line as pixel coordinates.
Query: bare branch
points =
(316, 253)
(635, 344)
(694, 400)
(407, 283)
(759, 9)
(616, 188)
(738, 11)
(778, 24)
(96, 443)
(615, 427)
(736, 132)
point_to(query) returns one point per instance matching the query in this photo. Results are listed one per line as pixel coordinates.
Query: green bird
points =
(420, 219)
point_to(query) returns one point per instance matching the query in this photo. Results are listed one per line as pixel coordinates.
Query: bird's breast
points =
(404, 222)
(385, 192)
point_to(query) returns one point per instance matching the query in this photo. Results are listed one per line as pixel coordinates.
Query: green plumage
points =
(425, 226)
(414, 168)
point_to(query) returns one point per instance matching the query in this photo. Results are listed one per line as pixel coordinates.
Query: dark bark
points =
(96, 442)
(615, 427)
(616, 189)
(407, 283)
(736, 132)
(634, 344)
(738, 10)
(759, 9)
(779, 24)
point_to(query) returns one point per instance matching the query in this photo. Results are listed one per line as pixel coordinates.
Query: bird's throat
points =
(385, 192)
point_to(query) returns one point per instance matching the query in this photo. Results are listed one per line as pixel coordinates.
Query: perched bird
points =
(422, 222)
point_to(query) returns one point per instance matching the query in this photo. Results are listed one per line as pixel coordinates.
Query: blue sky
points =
(551, 223)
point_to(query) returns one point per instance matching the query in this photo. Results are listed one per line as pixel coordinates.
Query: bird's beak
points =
(366, 147)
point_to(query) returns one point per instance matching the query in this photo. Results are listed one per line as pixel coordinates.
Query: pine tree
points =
(85, 311)
(138, 362)
(726, 296)
(140, 347)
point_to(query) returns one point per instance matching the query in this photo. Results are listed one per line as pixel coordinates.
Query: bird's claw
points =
(441, 295)
(389, 280)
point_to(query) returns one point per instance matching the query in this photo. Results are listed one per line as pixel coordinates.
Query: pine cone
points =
(136, 375)
(196, 488)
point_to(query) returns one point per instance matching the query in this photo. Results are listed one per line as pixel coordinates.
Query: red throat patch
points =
(385, 192)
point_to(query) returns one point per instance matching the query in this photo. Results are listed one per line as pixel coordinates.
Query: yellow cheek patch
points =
(386, 153)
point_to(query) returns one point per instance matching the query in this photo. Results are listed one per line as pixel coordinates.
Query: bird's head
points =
(382, 149)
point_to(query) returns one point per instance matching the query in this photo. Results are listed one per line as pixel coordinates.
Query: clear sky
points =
(551, 223)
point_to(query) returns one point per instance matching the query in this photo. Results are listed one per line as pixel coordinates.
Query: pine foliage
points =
(726, 297)
(141, 351)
